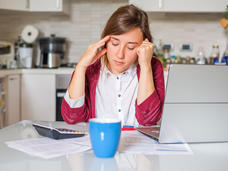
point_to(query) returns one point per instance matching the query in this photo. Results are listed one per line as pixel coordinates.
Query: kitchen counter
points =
(5, 72)
(205, 157)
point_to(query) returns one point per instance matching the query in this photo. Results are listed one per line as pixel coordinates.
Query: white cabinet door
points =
(149, 5)
(12, 99)
(49, 5)
(195, 5)
(36, 5)
(14, 4)
(181, 5)
(38, 97)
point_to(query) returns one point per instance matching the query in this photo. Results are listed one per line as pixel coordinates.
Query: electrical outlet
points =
(186, 47)
(169, 46)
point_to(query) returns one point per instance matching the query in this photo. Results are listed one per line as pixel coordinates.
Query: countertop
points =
(5, 72)
(205, 157)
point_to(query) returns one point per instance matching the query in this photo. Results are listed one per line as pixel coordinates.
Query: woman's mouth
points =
(118, 62)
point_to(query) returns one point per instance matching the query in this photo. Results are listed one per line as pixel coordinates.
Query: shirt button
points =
(118, 78)
(119, 110)
(119, 95)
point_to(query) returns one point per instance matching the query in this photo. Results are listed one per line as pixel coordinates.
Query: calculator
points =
(57, 133)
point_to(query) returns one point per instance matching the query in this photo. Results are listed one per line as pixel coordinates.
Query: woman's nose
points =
(120, 52)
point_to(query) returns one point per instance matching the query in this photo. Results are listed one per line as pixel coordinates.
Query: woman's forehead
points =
(134, 35)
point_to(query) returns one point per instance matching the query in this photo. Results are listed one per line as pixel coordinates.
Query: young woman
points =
(118, 77)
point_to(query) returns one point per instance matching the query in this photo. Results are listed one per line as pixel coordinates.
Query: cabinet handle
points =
(61, 94)
(58, 4)
(12, 78)
(27, 4)
(160, 3)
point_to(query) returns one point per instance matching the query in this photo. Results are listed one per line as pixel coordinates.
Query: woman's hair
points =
(125, 19)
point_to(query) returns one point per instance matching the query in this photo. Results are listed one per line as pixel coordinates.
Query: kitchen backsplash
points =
(87, 18)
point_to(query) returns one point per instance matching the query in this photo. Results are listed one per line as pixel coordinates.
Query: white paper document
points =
(137, 143)
(48, 148)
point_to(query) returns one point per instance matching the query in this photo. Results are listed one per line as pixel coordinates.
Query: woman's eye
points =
(131, 48)
(115, 44)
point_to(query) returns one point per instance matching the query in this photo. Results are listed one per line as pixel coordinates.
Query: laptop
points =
(196, 105)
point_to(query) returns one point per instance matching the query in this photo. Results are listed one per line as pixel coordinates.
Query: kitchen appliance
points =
(25, 52)
(51, 51)
(24, 46)
(62, 82)
(6, 53)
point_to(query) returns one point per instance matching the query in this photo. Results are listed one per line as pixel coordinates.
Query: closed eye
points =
(130, 48)
(115, 44)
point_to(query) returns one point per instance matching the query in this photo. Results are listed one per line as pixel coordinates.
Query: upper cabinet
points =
(22, 5)
(49, 5)
(181, 5)
(36, 5)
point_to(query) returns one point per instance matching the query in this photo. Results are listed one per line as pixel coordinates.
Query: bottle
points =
(166, 54)
(215, 54)
(160, 55)
(188, 59)
(201, 56)
(17, 45)
(192, 60)
(173, 57)
(167, 57)
(225, 56)
(178, 59)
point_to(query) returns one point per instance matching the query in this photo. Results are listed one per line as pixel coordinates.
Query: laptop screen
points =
(196, 104)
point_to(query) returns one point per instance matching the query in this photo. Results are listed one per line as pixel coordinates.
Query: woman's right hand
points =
(92, 55)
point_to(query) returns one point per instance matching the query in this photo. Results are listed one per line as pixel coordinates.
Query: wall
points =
(87, 18)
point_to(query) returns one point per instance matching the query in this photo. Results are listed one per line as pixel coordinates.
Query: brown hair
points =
(125, 19)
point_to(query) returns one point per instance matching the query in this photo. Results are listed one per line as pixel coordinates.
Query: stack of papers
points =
(137, 143)
(48, 148)
(130, 142)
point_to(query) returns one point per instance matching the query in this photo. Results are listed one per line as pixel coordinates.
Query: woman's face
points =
(121, 50)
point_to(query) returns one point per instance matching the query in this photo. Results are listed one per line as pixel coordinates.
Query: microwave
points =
(6, 52)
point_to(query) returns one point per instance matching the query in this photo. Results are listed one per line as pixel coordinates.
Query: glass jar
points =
(215, 54)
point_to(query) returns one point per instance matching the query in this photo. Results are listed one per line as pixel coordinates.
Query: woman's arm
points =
(150, 110)
(146, 81)
(146, 84)
(76, 88)
(150, 98)
(79, 87)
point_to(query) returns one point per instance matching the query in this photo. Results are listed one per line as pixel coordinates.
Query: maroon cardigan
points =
(147, 113)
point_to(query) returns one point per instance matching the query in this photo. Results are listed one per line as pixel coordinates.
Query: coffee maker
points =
(51, 51)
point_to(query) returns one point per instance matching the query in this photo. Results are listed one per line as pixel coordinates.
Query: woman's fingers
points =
(92, 53)
(98, 55)
(102, 42)
(106, 38)
(101, 53)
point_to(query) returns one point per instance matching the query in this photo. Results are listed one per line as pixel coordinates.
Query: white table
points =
(206, 157)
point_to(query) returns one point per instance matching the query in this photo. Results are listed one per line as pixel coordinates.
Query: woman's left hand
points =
(145, 53)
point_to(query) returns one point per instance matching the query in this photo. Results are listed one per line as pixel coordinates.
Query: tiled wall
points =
(88, 17)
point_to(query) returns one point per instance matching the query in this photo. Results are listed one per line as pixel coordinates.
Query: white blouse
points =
(115, 96)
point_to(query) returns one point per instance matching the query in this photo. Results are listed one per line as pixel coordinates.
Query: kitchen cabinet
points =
(38, 97)
(14, 4)
(181, 5)
(49, 5)
(12, 99)
(36, 5)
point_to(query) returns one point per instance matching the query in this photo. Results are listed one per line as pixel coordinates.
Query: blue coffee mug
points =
(104, 136)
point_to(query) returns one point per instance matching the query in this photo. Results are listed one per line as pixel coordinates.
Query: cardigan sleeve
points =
(73, 115)
(150, 110)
